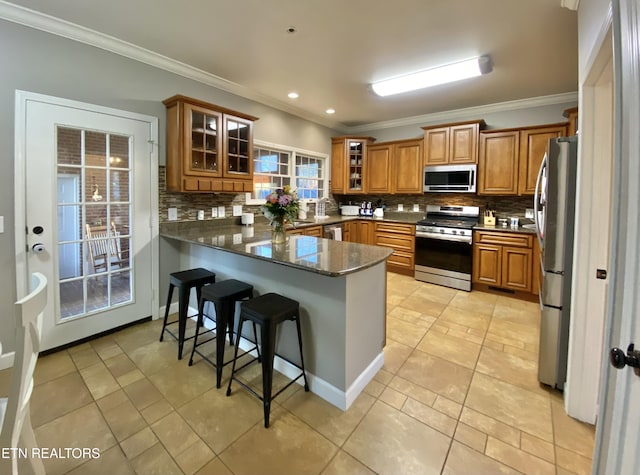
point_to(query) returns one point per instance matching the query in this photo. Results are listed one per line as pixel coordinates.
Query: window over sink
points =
(276, 166)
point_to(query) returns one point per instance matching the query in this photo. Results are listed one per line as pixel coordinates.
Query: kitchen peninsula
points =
(341, 288)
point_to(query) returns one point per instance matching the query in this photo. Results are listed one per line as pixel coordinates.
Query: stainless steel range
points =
(444, 245)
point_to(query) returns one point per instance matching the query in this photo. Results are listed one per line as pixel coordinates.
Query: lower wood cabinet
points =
(315, 231)
(503, 259)
(401, 238)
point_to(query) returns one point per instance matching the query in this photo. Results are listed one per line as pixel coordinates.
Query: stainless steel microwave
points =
(450, 178)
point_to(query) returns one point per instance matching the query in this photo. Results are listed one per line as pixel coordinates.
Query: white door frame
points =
(20, 180)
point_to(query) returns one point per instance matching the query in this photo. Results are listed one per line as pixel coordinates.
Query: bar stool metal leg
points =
(166, 310)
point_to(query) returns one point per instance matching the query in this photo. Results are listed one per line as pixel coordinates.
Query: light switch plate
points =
(528, 213)
(221, 211)
(400, 207)
(214, 212)
(416, 208)
(200, 215)
(237, 210)
(172, 214)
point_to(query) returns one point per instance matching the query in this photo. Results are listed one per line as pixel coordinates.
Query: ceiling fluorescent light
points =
(432, 77)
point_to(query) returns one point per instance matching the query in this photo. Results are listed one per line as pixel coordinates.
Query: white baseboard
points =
(365, 377)
(6, 360)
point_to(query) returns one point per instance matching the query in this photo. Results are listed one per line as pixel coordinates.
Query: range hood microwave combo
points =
(448, 178)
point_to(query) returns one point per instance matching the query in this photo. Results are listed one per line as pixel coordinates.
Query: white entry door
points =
(89, 211)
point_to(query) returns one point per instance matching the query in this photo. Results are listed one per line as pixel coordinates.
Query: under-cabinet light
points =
(432, 77)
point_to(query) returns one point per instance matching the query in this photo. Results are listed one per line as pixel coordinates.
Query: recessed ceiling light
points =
(291, 29)
(330, 111)
(432, 77)
(293, 95)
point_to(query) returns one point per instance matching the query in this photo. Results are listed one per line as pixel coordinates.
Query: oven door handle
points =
(444, 237)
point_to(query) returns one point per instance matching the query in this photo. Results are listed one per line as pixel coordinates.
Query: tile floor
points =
(457, 395)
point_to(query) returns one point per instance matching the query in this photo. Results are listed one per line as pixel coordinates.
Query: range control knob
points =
(454, 231)
(441, 231)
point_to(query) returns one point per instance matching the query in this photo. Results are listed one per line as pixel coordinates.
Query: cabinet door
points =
(239, 152)
(366, 232)
(408, 167)
(379, 169)
(356, 165)
(202, 153)
(534, 143)
(463, 147)
(516, 268)
(338, 167)
(350, 231)
(498, 163)
(487, 264)
(436, 146)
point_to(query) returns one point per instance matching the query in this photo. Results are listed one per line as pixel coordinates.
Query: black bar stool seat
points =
(185, 280)
(269, 311)
(224, 296)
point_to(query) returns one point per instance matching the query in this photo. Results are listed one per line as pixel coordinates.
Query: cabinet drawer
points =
(401, 259)
(396, 241)
(313, 231)
(395, 228)
(508, 239)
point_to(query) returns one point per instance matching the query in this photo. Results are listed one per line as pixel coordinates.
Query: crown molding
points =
(56, 26)
(570, 4)
(463, 114)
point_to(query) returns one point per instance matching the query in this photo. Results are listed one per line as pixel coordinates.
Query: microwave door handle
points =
(535, 200)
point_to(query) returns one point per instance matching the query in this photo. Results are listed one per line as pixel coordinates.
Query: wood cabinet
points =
(509, 159)
(348, 164)
(452, 143)
(315, 231)
(572, 117)
(401, 238)
(395, 167)
(534, 143)
(503, 259)
(209, 148)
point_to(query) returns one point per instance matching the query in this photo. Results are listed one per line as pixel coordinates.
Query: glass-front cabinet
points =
(209, 148)
(348, 164)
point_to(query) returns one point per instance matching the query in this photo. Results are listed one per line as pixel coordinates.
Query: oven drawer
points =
(503, 239)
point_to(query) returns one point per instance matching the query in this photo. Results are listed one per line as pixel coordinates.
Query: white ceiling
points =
(341, 46)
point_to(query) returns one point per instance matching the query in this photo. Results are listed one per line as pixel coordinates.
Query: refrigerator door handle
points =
(536, 216)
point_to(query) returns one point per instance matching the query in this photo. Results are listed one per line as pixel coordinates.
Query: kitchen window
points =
(275, 166)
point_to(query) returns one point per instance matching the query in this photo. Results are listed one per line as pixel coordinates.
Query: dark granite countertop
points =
(507, 229)
(323, 256)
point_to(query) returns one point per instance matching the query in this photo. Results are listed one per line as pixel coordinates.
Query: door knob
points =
(38, 248)
(619, 359)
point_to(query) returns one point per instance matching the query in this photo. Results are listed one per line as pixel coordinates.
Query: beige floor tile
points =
(489, 343)
(106, 347)
(124, 420)
(119, 365)
(137, 336)
(527, 355)
(374, 388)
(429, 416)
(110, 462)
(515, 331)
(194, 457)
(423, 305)
(462, 316)
(438, 375)
(450, 348)
(85, 357)
(395, 354)
(156, 411)
(538, 447)
(571, 433)
(82, 428)
(343, 463)
(58, 397)
(465, 461)
(156, 356)
(215, 467)
(471, 334)
(276, 450)
(138, 443)
(412, 316)
(404, 332)
(490, 426)
(174, 433)
(470, 437)
(155, 461)
(573, 462)
(334, 424)
(518, 459)
(406, 387)
(503, 340)
(383, 376)
(390, 442)
(143, 393)
(112, 400)
(511, 368)
(393, 398)
(517, 407)
(448, 407)
(53, 366)
(219, 420)
(130, 377)
(180, 384)
(99, 380)
(474, 302)
(436, 293)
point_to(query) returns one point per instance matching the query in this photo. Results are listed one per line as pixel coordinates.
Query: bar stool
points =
(185, 280)
(224, 296)
(269, 311)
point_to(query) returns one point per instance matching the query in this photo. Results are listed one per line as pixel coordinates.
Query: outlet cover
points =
(237, 210)
(400, 207)
(221, 211)
(200, 215)
(237, 238)
(528, 213)
(416, 208)
(172, 214)
(214, 212)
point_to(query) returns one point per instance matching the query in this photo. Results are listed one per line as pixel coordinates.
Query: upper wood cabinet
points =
(452, 143)
(572, 117)
(209, 148)
(534, 143)
(395, 167)
(509, 159)
(348, 164)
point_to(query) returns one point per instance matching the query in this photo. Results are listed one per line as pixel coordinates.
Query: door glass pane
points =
(94, 221)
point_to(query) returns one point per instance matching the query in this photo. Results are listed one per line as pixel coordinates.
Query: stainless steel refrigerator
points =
(554, 212)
